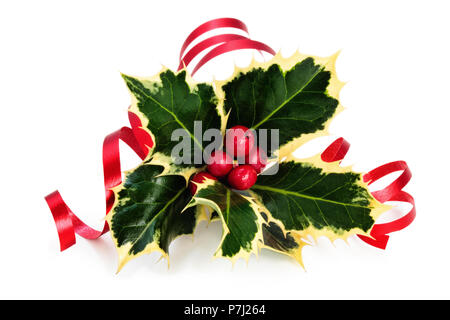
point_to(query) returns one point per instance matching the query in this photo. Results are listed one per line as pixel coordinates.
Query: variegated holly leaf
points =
(316, 198)
(147, 216)
(297, 95)
(167, 102)
(278, 240)
(239, 214)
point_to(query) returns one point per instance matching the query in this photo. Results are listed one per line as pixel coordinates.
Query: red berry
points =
(257, 158)
(219, 164)
(242, 177)
(199, 178)
(239, 140)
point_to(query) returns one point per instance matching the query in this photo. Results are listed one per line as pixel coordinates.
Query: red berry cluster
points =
(239, 144)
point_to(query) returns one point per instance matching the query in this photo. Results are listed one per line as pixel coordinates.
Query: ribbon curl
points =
(228, 42)
(68, 224)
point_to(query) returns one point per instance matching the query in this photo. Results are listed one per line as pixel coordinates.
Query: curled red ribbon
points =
(68, 224)
(211, 25)
(228, 42)
(393, 192)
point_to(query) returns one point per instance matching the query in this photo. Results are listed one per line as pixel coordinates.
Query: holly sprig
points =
(162, 198)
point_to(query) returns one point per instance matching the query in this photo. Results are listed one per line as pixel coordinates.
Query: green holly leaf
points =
(147, 214)
(298, 96)
(319, 199)
(240, 217)
(168, 102)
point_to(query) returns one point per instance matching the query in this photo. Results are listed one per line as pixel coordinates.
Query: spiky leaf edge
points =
(327, 167)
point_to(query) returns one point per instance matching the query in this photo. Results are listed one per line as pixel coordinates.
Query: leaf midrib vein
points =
(228, 204)
(156, 215)
(287, 192)
(289, 99)
(168, 111)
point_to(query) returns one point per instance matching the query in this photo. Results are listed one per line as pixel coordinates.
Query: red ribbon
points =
(211, 25)
(393, 192)
(228, 42)
(68, 224)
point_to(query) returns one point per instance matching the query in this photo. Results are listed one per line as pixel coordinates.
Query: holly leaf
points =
(146, 216)
(239, 214)
(297, 95)
(167, 102)
(316, 198)
(276, 239)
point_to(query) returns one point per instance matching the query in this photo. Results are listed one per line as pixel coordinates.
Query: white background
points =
(61, 93)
